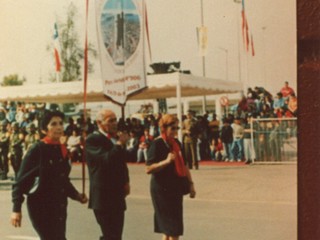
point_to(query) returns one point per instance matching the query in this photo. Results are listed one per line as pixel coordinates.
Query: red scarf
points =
(179, 162)
(63, 148)
(115, 136)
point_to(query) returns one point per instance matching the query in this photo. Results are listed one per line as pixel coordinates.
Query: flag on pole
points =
(247, 37)
(243, 18)
(202, 36)
(56, 48)
(245, 27)
(121, 28)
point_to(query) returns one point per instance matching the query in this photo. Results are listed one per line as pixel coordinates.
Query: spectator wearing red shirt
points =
(144, 143)
(286, 90)
(216, 149)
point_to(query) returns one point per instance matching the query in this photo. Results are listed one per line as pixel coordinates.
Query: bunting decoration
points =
(121, 28)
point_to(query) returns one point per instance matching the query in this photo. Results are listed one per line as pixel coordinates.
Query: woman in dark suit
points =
(44, 178)
(167, 166)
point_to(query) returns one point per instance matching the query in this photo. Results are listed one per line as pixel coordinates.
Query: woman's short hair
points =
(48, 115)
(166, 121)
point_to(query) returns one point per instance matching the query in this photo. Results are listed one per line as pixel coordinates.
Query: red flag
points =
(245, 28)
(243, 17)
(57, 60)
(252, 46)
(56, 48)
(247, 40)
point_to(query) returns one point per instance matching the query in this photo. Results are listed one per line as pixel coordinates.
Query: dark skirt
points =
(49, 220)
(168, 215)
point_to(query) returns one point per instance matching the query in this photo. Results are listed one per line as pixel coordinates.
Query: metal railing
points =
(274, 139)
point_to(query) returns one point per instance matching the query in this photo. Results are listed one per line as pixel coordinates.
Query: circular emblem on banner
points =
(120, 29)
(224, 101)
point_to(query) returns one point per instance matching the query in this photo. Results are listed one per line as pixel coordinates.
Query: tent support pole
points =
(179, 108)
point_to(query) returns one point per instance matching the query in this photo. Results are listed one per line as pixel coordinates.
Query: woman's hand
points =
(171, 157)
(16, 219)
(156, 167)
(82, 198)
(192, 191)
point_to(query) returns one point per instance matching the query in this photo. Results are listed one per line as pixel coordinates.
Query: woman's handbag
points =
(185, 185)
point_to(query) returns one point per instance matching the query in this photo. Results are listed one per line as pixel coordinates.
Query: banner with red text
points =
(120, 27)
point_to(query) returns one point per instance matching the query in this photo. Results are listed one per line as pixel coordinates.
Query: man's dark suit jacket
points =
(108, 173)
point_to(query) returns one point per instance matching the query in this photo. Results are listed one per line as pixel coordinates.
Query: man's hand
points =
(82, 198)
(123, 138)
(16, 219)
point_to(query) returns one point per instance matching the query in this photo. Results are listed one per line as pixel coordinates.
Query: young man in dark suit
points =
(108, 174)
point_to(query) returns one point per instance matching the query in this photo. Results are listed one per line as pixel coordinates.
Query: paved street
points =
(234, 202)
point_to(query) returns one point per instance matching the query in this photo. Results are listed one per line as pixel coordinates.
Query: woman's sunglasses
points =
(175, 128)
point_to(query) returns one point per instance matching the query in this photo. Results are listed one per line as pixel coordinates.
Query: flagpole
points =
(203, 57)
(204, 105)
(239, 53)
(247, 81)
(238, 37)
(264, 56)
(85, 73)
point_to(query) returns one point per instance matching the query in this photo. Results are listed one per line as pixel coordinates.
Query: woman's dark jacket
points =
(44, 178)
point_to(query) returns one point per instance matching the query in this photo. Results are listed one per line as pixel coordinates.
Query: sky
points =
(26, 29)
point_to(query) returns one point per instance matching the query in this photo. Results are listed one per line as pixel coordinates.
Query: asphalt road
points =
(256, 202)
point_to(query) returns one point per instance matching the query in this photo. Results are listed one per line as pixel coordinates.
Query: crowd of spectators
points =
(204, 136)
(258, 102)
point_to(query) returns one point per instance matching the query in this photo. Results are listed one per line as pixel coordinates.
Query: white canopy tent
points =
(159, 86)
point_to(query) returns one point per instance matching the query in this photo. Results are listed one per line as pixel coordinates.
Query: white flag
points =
(120, 27)
(202, 36)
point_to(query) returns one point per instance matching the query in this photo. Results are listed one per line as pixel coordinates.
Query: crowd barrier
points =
(274, 139)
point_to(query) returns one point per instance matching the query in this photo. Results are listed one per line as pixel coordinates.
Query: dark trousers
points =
(111, 224)
(190, 149)
(4, 163)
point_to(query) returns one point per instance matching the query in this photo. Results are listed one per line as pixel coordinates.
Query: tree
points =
(71, 52)
(13, 80)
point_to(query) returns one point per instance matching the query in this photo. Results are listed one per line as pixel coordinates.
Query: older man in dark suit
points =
(108, 173)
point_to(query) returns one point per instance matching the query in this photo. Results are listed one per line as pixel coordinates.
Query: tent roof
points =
(159, 86)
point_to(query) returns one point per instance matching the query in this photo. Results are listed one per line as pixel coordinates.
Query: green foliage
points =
(12, 80)
(72, 54)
